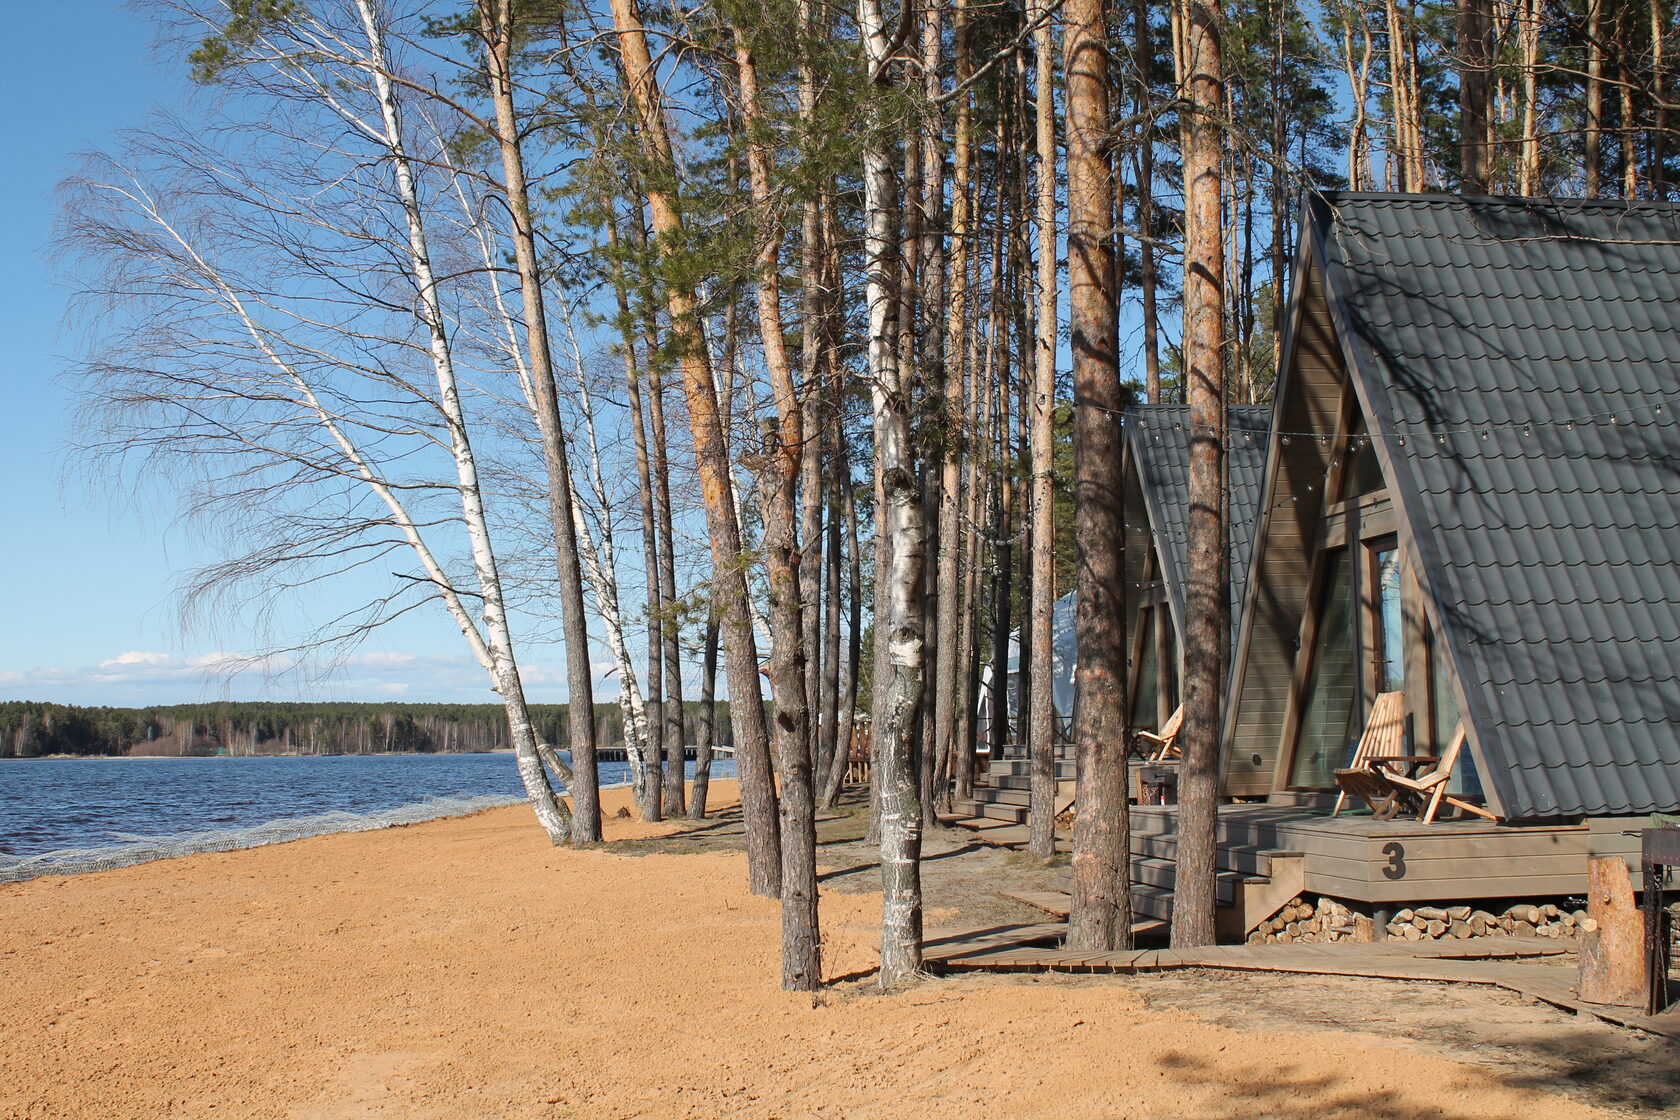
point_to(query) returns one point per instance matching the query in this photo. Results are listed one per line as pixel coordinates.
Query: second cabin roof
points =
(1158, 437)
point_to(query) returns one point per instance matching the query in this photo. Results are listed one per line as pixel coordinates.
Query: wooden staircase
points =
(1254, 879)
(1003, 792)
(1252, 882)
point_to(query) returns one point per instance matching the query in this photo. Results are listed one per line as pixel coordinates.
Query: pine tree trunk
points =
(854, 616)
(1144, 55)
(1630, 160)
(659, 466)
(1100, 913)
(837, 723)
(1025, 357)
(958, 751)
(1474, 67)
(779, 474)
(1003, 514)
(746, 706)
(1659, 125)
(813, 489)
(706, 734)
(649, 796)
(801, 940)
(1595, 97)
(841, 666)
(1280, 214)
(1359, 94)
(1206, 630)
(944, 361)
(1041, 734)
(671, 703)
(496, 20)
(1529, 38)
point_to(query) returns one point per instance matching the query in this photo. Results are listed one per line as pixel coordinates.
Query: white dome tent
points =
(1064, 658)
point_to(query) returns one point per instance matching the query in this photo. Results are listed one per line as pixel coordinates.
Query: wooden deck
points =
(1271, 853)
(1391, 863)
(1525, 966)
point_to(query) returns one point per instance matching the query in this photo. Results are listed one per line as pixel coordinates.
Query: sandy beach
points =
(462, 968)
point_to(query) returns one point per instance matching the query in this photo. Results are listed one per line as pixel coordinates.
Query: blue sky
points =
(89, 575)
(90, 572)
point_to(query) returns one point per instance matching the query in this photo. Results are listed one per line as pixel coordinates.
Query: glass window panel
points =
(1391, 670)
(1328, 728)
(1169, 659)
(1465, 781)
(1145, 703)
(1364, 473)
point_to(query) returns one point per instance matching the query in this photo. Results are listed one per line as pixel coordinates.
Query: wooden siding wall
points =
(1277, 584)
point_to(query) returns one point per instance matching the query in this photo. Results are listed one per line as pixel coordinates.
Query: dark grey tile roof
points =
(1521, 359)
(1159, 437)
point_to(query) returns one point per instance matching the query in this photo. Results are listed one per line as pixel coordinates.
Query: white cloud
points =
(135, 657)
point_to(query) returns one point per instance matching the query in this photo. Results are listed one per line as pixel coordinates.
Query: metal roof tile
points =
(1555, 551)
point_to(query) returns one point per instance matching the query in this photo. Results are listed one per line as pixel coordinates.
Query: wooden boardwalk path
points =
(1518, 965)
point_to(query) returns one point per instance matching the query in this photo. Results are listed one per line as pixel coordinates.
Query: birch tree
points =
(267, 321)
(899, 620)
(496, 27)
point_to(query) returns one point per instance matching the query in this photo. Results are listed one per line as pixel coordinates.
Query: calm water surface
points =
(54, 812)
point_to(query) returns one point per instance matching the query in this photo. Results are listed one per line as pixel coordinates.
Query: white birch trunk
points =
(602, 569)
(900, 648)
(503, 667)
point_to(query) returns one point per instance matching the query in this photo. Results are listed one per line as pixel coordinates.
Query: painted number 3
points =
(1396, 866)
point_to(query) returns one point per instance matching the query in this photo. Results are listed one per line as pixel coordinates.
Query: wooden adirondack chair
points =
(1430, 790)
(1165, 741)
(1384, 733)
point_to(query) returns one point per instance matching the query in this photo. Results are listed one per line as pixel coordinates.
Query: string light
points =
(1621, 417)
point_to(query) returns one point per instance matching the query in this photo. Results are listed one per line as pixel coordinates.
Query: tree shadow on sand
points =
(1584, 1065)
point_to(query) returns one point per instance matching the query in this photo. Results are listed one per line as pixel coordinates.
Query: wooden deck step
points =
(1065, 771)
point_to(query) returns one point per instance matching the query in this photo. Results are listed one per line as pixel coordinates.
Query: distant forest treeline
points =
(29, 729)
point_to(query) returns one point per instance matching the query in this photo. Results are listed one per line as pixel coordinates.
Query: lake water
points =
(60, 816)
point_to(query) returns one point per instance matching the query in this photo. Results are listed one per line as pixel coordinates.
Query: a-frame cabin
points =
(1472, 495)
(1157, 517)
